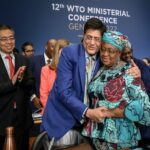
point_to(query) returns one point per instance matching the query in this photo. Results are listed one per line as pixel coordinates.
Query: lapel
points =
(82, 65)
(16, 62)
(40, 62)
(3, 69)
(43, 60)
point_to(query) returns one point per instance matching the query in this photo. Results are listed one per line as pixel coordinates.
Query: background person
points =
(37, 62)
(27, 49)
(16, 84)
(48, 72)
(127, 56)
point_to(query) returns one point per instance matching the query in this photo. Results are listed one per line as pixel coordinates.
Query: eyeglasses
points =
(5, 39)
(89, 38)
(126, 53)
(110, 51)
(29, 51)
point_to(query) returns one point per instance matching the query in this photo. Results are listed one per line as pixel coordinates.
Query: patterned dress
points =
(114, 88)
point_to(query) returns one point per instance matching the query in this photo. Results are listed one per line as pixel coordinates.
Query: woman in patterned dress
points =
(124, 97)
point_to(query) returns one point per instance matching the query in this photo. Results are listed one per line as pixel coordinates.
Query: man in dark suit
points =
(37, 62)
(16, 84)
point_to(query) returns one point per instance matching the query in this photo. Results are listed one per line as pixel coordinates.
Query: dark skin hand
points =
(37, 103)
(134, 70)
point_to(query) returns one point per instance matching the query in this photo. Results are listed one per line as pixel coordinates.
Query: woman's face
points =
(127, 54)
(109, 55)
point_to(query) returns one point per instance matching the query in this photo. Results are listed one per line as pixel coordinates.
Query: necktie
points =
(89, 68)
(88, 78)
(11, 66)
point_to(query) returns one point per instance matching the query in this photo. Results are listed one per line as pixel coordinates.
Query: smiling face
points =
(7, 41)
(109, 55)
(92, 41)
(127, 54)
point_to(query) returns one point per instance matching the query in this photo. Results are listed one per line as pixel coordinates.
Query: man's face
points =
(50, 47)
(7, 41)
(92, 41)
(29, 51)
(126, 54)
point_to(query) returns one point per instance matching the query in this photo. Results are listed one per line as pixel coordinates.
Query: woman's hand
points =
(134, 70)
(115, 113)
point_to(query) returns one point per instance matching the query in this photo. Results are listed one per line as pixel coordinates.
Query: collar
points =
(46, 58)
(3, 55)
(93, 56)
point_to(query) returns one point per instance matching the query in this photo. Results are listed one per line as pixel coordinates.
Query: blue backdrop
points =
(39, 20)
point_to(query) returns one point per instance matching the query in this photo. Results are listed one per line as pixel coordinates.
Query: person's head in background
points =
(60, 44)
(49, 47)
(146, 61)
(15, 50)
(93, 32)
(7, 39)
(127, 52)
(27, 49)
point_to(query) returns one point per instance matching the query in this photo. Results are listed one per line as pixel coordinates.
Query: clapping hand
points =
(21, 72)
(18, 75)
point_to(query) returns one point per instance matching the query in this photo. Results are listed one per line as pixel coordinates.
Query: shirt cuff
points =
(83, 116)
(32, 97)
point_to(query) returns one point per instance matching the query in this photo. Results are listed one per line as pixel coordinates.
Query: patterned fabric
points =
(128, 44)
(115, 38)
(114, 88)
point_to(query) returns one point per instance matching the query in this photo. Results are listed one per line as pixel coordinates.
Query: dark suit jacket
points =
(37, 62)
(65, 105)
(20, 117)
